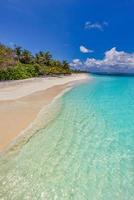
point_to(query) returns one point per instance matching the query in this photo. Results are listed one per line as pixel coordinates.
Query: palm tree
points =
(65, 64)
(7, 57)
(26, 57)
(18, 51)
(47, 57)
(43, 58)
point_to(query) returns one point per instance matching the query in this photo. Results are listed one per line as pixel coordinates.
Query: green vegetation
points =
(17, 63)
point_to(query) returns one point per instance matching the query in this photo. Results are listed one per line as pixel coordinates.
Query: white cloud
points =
(85, 50)
(97, 25)
(113, 62)
(77, 62)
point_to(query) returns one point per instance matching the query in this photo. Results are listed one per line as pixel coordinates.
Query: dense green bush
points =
(23, 71)
(17, 63)
(56, 71)
(18, 72)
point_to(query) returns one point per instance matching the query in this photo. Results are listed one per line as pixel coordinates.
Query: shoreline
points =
(18, 114)
(11, 90)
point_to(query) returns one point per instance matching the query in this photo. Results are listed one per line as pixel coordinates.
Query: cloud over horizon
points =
(85, 50)
(113, 62)
(97, 25)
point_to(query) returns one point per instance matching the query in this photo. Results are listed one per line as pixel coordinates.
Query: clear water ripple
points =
(85, 153)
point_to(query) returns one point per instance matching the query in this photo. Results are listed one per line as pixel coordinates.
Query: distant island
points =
(18, 63)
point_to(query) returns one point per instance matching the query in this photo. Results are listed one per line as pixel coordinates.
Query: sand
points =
(21, 102)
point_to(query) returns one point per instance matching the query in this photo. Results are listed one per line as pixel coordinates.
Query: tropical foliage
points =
(17, 63)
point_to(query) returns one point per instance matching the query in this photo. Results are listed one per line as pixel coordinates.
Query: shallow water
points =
(85, 153)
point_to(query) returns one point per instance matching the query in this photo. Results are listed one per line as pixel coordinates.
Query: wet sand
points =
(21, 102)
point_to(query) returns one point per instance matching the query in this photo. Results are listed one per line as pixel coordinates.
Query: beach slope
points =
(21, 102)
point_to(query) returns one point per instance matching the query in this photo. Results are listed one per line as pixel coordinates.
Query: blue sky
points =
(63, 26)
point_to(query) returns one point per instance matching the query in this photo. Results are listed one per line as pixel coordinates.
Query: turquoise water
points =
(85, 153)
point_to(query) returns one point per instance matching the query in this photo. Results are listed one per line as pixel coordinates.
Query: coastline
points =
(20, 110)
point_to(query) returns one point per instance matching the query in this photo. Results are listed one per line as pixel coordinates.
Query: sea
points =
(86, 152)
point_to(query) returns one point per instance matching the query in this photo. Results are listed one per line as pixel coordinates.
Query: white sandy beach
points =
(21, 101)
(11, 90)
